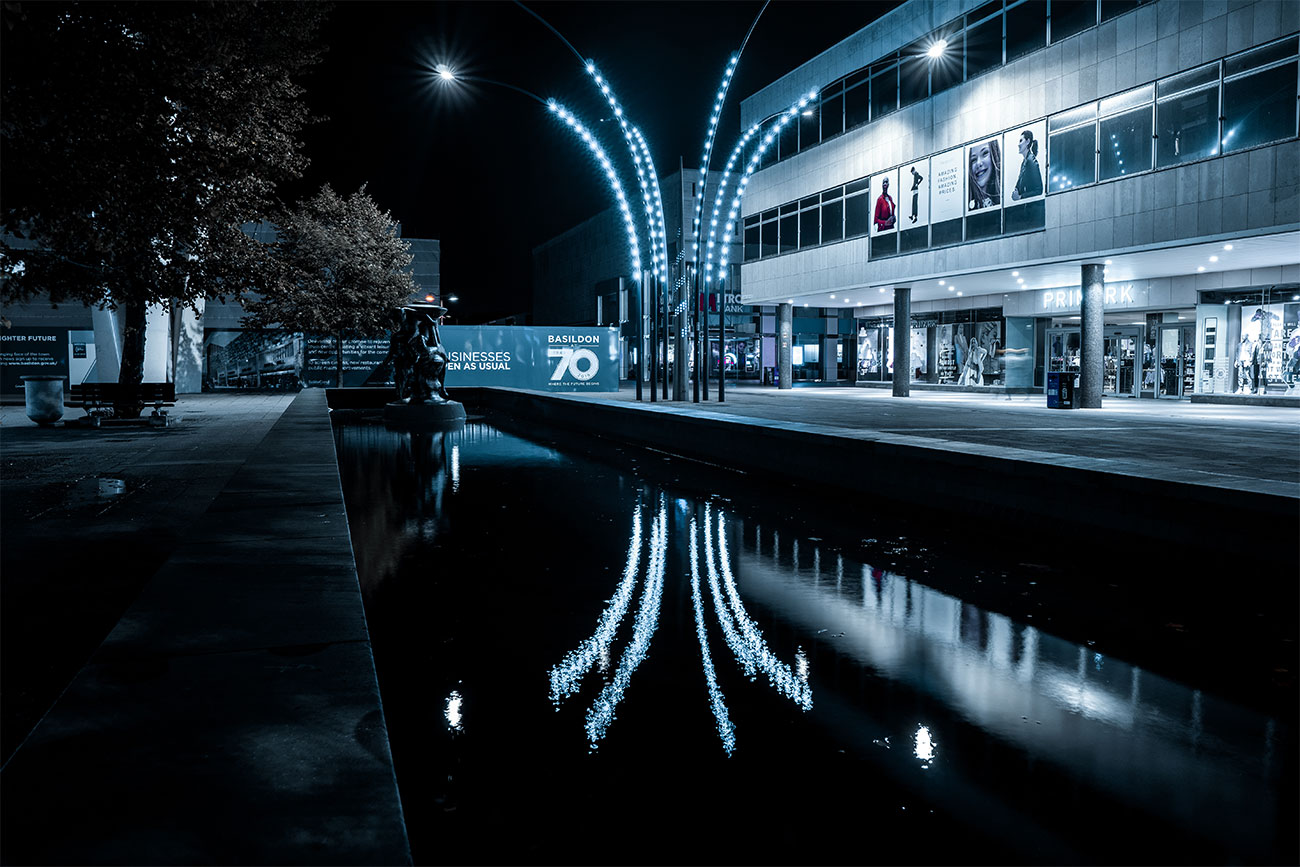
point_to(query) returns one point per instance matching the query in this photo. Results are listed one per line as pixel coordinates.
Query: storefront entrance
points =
(1176, 345)
(1120, 375)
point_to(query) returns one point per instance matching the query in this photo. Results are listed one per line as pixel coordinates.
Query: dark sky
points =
(491, 173)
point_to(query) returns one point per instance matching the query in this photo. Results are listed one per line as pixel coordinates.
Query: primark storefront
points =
(1001, 170)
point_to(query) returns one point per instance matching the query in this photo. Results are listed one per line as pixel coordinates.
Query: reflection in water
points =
(726, 731)
(752, 651)
(453, 712)
(601, 713)
(924, 746)
(567, 676)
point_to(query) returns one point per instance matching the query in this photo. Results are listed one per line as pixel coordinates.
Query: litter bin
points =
(1060, 390)
(767, 376)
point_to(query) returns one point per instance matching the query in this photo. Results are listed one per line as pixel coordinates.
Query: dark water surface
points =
(590, 654)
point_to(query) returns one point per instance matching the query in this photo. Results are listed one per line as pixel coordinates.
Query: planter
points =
(44, 395)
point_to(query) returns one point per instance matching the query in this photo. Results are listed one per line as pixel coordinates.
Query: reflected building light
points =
(453, 712)
(601, 713)
(801, 665)
(726, 731)
(567, 676)
(924, 746)
(455, 468)
(778, 673)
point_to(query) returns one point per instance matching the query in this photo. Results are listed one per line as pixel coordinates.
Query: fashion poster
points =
(1025, 152)
(946, 185)
(984, 175)
(914, 195)
(884, 203)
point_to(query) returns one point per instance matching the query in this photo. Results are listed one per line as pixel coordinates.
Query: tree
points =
(138, 138)
(341, 267)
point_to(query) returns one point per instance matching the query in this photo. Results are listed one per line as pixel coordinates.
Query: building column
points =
(1091, 350)
(784, 334)
(902, 342)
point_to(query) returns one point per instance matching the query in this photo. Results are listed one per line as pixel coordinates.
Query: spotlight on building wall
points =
(937, 49)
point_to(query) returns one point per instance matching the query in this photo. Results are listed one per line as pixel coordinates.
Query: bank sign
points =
(542, 359)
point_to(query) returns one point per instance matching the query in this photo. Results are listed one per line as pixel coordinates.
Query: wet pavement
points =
(595, 653)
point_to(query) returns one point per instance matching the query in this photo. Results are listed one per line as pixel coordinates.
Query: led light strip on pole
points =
(661, 280)
(766, 142)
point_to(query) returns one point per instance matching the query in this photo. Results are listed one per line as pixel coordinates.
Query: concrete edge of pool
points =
(233, 715)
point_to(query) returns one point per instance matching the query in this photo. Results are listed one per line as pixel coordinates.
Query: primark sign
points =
(1055, 302)
(1115, 295)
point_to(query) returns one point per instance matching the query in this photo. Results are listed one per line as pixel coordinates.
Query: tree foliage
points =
(138, 138)
(340, 266)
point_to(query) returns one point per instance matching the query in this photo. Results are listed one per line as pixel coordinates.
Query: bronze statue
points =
(419, 362)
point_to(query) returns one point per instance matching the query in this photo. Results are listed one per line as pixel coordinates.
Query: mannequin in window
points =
(1264, 348)
(1246, 365)
(1291, 361)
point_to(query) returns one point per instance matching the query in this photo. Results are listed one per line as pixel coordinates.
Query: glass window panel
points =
(1188, 80)
(884, 93)
(857, 105)
(985, 11)
(809, 222)
(1131, 99)
(769, 247)
(983, 47)
(832, 116)
(810, 202)
(787, 142)
(1115, 8)
(857, 186)
(1126, 143)
(769, 215)
(914, 80)
(1026, 28)
(1072, 158)
(789, 208)
(832, 194)
(855, 216)
(1072, 117)
(768, 157)
(1261, 56)
(1259, 108)
(1072, 16)
(789, 233)
(751, 243)
(946, 70)
(833, 221)
(856, 78)
(809, 127)
(1187, 127)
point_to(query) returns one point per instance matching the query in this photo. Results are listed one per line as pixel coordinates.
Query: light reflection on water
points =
(958, 676)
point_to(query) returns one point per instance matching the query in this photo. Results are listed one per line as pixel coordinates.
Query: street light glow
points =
(445, 72)
(937, 49)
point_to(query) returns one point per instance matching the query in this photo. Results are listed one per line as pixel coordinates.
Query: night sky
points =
(491, 173)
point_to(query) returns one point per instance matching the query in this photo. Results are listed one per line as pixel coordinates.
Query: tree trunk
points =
(338, 356)
(132, 369)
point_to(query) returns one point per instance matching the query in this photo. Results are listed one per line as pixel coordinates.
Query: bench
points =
(99, 398)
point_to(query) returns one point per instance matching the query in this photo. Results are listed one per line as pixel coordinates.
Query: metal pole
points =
(654, 337)
(663, 300)
(695, 334)
(722, 341)
(704, 333)
(639, 312)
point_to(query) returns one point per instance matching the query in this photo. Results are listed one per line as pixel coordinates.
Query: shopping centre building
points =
(1102, 187)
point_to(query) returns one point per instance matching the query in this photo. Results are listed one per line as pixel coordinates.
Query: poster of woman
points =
(884, 195)
(915, 197)
(1024, 176)
(984, 175)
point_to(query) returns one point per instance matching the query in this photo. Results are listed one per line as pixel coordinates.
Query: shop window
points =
(832, 219)
(769, 231)
(787, 142)
(946, 70)
(1260, 106)
(809, 226)
(1072, 149)
(810, 130)
(1069, 17)
(1115, 8)
(914, 74)
(983, 46)
(789, 232)
(856, 213)
(1187, 124)
(832, 115)
(884, 90)
(1126, 143)
(857, 100)
(1026, 28)
(751, 238)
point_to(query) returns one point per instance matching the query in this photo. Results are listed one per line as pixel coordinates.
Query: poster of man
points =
(884, 196)
(1023, 180)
